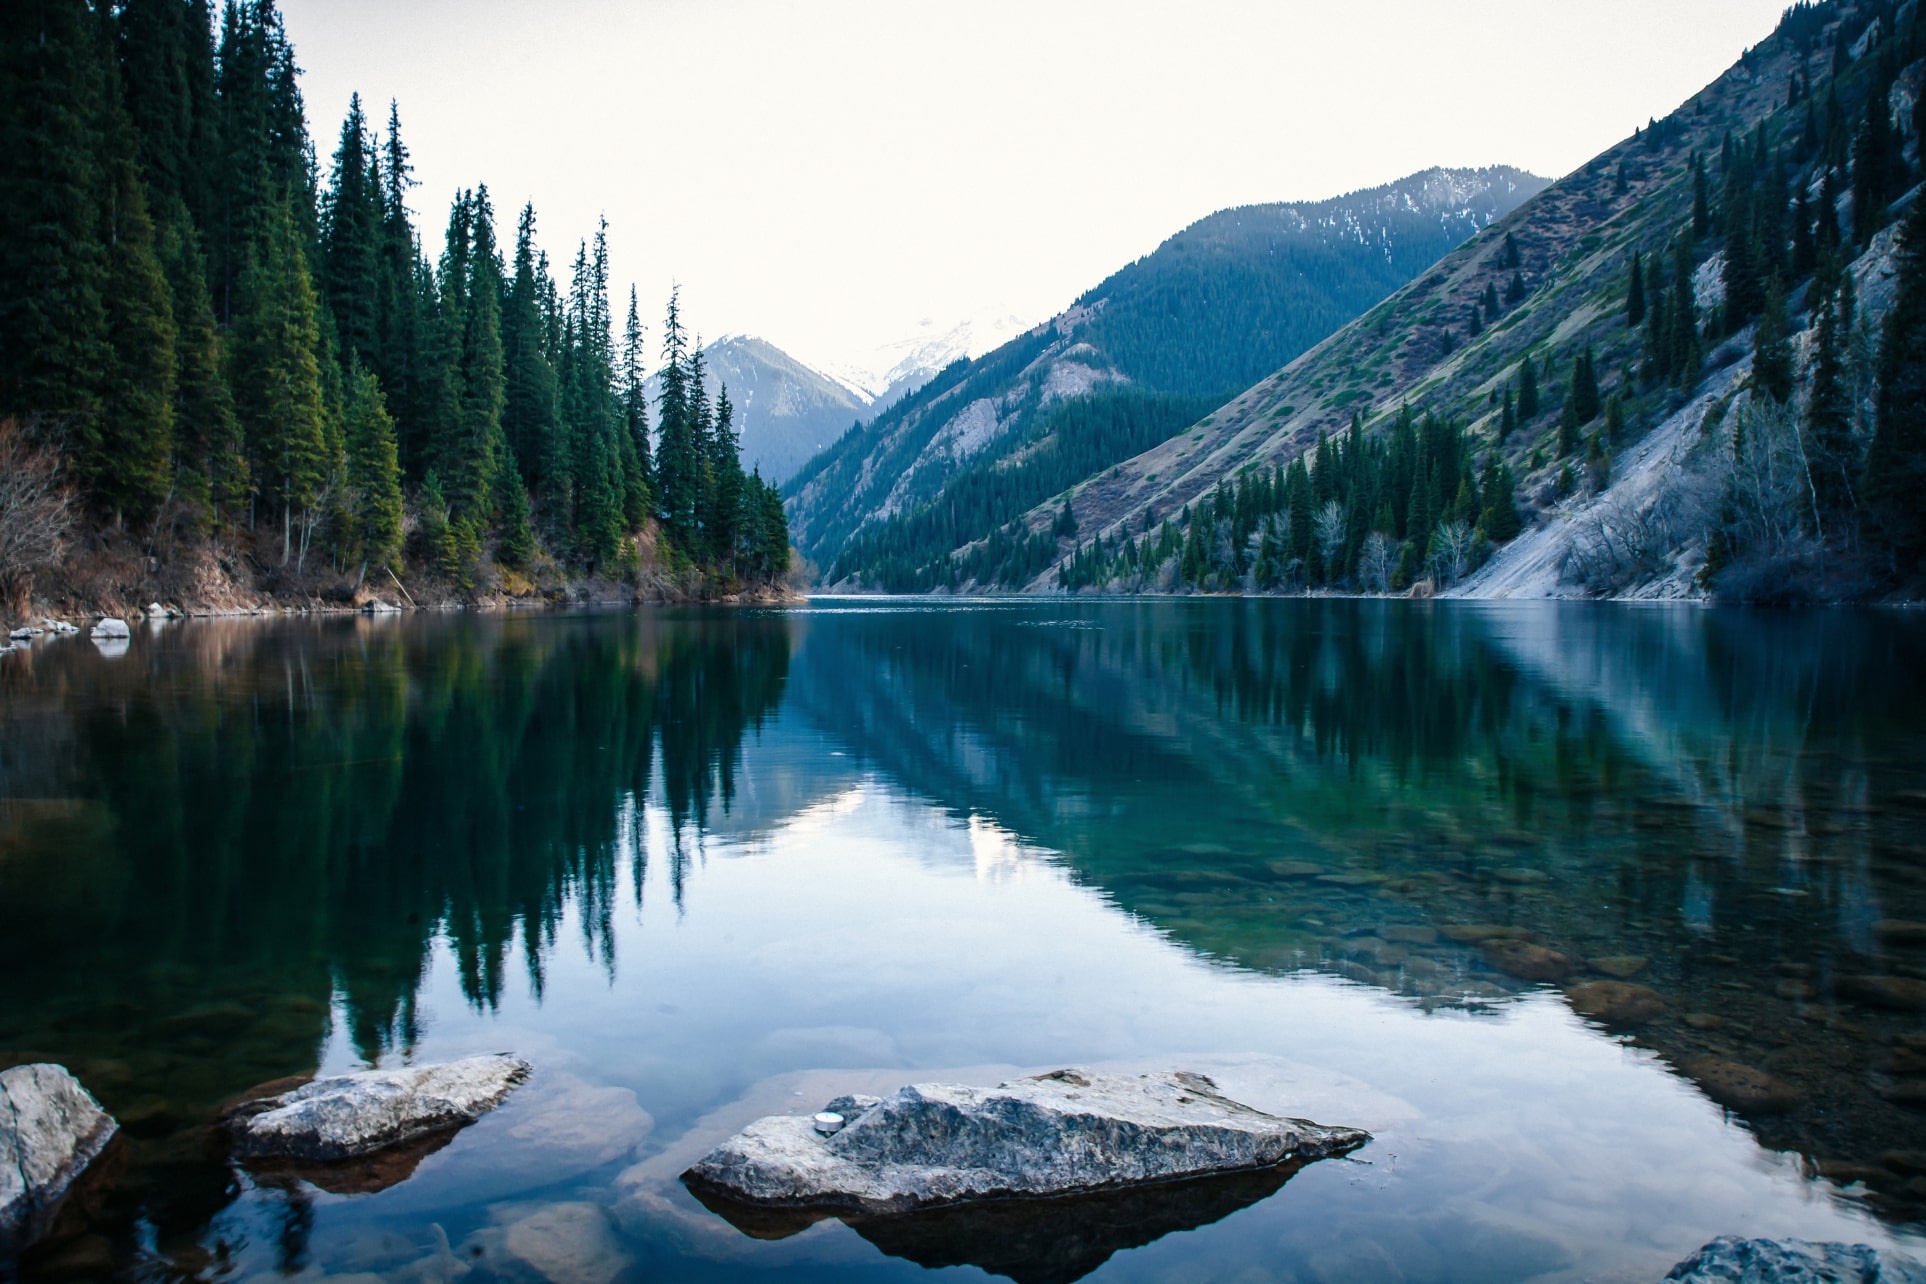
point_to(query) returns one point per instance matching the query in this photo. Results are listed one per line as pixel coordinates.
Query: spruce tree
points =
(351, 242)
(1828, 423)
(1772, 349)
(53, 326)
(124, 455)
(475, 454)
(1508, 418)
(1585, 397)
(373, 474)
(1635, 292)
(210, 450)
(1894, 487)
(634, 398)
(277, 373)
(1874, 158)
(530, 411)
(1527, 390)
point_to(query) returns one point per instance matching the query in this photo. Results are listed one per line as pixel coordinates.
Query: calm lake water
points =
(704, 866)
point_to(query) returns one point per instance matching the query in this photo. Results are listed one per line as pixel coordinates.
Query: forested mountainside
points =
(1695, 365)
(1132, 361)
(222, 376)
(785, 411)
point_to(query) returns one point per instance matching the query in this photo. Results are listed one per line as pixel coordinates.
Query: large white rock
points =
(1068, 1131)
(1732, 1260)
(51, 1128)
(111, 628)
(357, 1114)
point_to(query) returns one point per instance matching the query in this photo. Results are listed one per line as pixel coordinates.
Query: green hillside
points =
(1502, 387)
(1148, 349)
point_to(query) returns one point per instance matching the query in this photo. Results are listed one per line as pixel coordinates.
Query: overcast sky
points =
(829, 175)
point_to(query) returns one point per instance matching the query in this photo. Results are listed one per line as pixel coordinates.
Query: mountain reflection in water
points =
(244, 843)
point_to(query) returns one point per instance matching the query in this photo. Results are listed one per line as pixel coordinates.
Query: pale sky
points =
(830, 175)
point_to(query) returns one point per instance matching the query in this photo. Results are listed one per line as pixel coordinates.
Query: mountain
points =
(1129, 363)
(1658, 459)
(894, 370)
(785, 411)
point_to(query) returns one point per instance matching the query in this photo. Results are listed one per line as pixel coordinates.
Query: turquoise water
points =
(704, 866)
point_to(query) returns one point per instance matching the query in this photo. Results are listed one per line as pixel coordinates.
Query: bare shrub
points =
(36, 513)
(1376, 561)
(1450, 551)
(1330, 530)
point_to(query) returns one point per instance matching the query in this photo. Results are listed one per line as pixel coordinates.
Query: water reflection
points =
(238, 841)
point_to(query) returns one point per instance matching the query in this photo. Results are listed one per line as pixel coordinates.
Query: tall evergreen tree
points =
(373, 475)
(1894, 488)
(1635, 292)
(1527, 390)
(1772, 349)
(351, 234)
(277, 375)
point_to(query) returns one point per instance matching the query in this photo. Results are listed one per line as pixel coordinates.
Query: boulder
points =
(353, 1115)
(111, 628)
(1622, 967)
(155, 611)
(934, 1144)
(1731, 1260)
(51, 1129)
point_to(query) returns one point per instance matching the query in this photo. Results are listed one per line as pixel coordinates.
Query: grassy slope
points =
(1576, 237)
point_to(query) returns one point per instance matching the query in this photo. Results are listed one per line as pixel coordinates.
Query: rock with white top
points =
(352, 1115)
(51, 1129)
(111, 628)
(1732, 1260)
(1069, 1131)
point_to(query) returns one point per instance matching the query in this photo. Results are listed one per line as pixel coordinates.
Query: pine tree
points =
(1568, 424)
(1527, 390)
(1500, 519)
(1701, 199)
(277, 374)
(1515, 289)
(1682, 328)
(516, 544)
(211, 454)
(475, 454)
(351, 242)
(1512, 259)
(1635, 292)
(634, 397)
(1584, 391)
(1507, 419)
(1490, 301)
(373, 474)
(124, 454)
(1828, 424)
(1874, 157)
(531, 415)
(1298, 485)
(53, 326)
(676, 465)
(1894, 487)
(1772, 350)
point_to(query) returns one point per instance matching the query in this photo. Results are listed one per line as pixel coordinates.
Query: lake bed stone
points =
(1620, 967)
(1732, 1260)
(1896, 993)
(351, 1115)
(1616, 1003)
(1528, 962)
(928, 1145)
(51, 1129)
(1742, 1087)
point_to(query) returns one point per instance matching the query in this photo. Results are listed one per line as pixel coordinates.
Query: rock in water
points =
(932, 1144)
(352, 1115)
(1731, 1260)
(111, 628)
(51, 1128)
(1616, 1003)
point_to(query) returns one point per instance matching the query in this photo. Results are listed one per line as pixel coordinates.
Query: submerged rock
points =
(1528, 962)
(1622, 967)
(353, 1115)
(1899, 993)
(1731, 1260)
(1616, 1003)
(1741, 1087)
(1069, 1131)
(51, 1129)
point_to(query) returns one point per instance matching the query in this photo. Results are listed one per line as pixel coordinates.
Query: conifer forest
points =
(231, 345)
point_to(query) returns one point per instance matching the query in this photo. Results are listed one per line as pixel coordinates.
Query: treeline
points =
(1375, 513)
(217, 341)
(1074, 439)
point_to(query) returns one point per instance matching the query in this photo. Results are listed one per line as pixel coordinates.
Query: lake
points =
(1362, 862)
